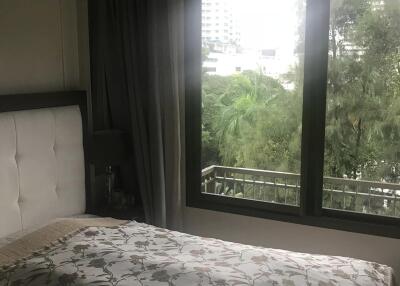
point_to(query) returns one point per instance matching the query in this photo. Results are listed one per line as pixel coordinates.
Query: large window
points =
(293, 110)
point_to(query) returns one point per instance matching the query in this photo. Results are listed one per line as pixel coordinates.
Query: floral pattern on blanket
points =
(140, 254)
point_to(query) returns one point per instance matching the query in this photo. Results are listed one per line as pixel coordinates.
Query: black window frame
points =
(310, 211)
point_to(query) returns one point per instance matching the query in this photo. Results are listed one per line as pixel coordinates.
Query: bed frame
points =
(55, 124)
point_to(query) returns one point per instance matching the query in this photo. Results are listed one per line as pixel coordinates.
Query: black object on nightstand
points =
(110, 153)
(122, 206)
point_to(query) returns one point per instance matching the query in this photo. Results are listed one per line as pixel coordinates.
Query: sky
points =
(267, 23)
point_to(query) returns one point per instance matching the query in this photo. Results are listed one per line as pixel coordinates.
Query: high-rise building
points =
(219, 29)
(227, 51)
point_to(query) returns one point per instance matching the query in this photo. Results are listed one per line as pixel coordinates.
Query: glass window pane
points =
(362, 141)
(252, 98)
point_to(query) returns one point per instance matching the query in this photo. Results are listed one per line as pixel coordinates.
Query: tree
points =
(363, 50)
(256, 121)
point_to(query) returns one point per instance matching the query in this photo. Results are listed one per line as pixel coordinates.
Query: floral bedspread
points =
(139, 254)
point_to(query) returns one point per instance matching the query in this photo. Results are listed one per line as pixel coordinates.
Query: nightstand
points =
(133, 213)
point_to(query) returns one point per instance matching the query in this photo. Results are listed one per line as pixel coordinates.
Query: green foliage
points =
(250, 120)
(362, 109)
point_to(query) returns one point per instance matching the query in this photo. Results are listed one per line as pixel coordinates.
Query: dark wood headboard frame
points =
(19, 102)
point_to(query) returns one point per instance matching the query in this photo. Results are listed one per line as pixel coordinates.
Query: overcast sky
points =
(267, 23)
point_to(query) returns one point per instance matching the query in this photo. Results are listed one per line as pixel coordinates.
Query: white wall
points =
(275, 234)
(39, 46)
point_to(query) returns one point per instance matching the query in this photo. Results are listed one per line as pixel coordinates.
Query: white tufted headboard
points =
(42, 169)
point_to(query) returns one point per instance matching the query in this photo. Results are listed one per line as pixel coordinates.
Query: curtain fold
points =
(137, 79)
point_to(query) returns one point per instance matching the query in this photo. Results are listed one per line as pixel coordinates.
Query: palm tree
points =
(249, 93)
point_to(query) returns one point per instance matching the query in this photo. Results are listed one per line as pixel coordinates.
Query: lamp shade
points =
(109, 147)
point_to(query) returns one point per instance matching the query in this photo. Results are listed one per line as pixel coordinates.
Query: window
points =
(210, 69)
(362, 166)
(268, 53)
(306, 130)
(251, 136)
(213, 60)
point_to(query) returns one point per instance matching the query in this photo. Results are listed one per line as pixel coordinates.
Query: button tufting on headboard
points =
(42, 172)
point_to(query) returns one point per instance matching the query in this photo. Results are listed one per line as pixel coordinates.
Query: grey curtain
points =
(137, 83)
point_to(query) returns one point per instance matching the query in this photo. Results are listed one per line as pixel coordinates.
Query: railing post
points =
(234, 185)
(244, 185)
(254, 187)
(286, 190)
(369, 200)
(263, 188)
(213, 179)
(355, 199)
(223, 184)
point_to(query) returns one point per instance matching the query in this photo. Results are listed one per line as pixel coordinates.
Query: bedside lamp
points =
(109, 148)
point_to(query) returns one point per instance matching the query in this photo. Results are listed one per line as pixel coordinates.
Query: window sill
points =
(331, 219)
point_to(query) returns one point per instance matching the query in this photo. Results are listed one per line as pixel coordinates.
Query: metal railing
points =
(370, 197)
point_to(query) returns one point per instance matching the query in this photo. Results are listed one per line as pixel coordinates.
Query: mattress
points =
(131, 253)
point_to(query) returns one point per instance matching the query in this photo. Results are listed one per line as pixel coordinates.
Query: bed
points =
(46, 238)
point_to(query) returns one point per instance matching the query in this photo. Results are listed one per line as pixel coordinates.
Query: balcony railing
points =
(369, 197)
